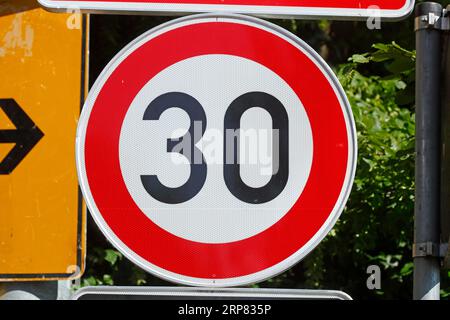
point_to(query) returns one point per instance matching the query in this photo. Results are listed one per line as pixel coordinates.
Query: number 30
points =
(231, 171)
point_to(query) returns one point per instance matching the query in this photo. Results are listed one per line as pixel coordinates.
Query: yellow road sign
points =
(42, 84)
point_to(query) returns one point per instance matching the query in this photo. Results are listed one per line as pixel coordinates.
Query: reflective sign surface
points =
(216, 150)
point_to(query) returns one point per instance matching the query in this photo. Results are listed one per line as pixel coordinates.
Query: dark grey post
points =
(428, 119)
(445, 157)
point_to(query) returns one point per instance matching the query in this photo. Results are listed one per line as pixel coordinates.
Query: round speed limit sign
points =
(216, 150)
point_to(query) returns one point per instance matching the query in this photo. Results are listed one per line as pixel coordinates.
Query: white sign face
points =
(216, 150)
(233, 219)
(352, 9)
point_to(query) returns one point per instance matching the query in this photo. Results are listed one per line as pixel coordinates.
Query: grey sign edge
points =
(277, 12)
(191, 292)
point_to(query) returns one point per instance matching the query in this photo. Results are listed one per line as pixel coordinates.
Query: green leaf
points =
(107, 279)
(407, 269)
(359, 58)
(112, 256)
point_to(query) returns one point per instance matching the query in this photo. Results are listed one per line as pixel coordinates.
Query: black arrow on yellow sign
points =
(25, 136)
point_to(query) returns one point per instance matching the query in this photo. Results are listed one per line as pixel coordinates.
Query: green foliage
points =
(376, 227)
(398, 62)
(377, 224)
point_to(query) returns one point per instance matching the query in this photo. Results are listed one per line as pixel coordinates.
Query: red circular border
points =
(234, 259)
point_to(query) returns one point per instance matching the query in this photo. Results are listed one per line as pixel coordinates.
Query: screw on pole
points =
(428, 29)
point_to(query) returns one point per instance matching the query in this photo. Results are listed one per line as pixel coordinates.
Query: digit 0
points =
(280, 148)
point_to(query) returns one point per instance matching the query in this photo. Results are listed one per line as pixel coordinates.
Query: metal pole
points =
(445, 158)
(428, 119)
